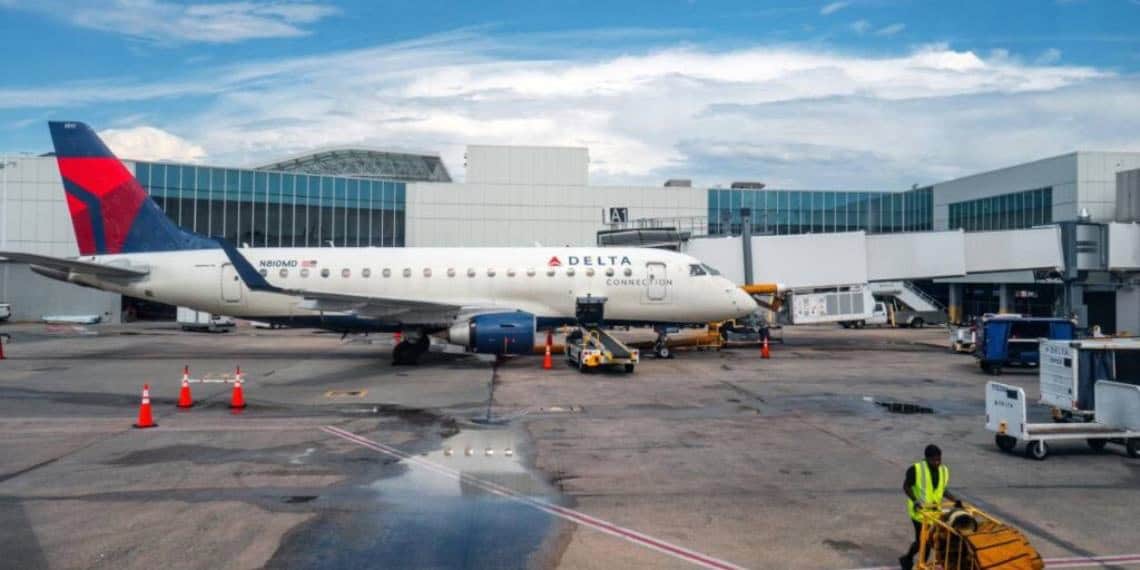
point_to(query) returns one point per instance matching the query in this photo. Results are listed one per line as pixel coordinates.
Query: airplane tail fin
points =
(110, 211)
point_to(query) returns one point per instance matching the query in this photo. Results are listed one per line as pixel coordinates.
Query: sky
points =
(847, 95)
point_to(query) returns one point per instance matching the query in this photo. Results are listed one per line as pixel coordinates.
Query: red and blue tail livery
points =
(110, 211)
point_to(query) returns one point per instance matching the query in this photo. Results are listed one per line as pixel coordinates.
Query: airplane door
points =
(657, 283)
(231, 284)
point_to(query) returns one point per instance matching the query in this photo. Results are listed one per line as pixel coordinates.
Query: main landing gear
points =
(409, 350)
(661, 345)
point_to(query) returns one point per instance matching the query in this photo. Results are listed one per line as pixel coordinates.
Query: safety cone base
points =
(141, 426)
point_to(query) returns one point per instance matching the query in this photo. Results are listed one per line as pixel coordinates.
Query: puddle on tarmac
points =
(423, 519)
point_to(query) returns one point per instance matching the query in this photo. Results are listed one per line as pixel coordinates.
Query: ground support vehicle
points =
(191, 320)
(878, 317)
(1071, 368)
(960, 536)
(1117, 420)
(963, 339)
(1013, 341)
(593, 348)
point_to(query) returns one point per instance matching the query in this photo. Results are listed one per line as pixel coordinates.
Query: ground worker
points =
(925, 486)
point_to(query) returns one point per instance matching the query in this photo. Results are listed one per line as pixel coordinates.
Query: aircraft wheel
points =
(662, 351)
(1037, 450)
(1097, 444)
(1005, 443)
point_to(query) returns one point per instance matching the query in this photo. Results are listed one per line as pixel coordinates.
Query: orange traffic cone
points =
(765, 352)
(237, 398)
(146, 420)
(184, 399)
(547, 361)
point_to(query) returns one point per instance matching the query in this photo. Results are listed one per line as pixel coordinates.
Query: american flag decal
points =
(309, 263)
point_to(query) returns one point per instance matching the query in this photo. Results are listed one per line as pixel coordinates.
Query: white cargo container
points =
(192, 320)
(1070, 370)
(830, 305)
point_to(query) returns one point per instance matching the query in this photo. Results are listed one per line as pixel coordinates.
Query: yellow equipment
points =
(966, 538)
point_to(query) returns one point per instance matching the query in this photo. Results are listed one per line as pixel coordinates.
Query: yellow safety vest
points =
(924, 487)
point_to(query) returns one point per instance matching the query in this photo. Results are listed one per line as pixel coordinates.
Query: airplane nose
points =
(743, 303)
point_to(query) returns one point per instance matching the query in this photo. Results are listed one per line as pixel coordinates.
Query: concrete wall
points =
(1128, 196)
(527, 165)
(1096, 181)
(520, 215)
(34, 219)
(1128, 309)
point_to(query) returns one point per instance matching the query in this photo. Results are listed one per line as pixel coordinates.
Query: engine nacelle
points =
(496, 333)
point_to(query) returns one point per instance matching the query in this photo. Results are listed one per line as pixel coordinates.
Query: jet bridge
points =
(1066, 251)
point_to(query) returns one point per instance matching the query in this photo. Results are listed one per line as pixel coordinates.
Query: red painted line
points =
(555, 510)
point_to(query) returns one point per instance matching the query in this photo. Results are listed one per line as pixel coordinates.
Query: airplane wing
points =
(73, 265)
(376, 307)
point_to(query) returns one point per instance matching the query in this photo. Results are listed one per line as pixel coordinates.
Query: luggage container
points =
(1070, 370)
(1014, 341)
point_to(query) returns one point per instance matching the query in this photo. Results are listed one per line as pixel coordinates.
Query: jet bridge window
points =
(696, 270)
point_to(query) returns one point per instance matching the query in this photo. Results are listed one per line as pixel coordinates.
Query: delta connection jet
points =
(489, 300)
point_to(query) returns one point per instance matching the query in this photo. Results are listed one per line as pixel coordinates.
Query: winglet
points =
(245, 270)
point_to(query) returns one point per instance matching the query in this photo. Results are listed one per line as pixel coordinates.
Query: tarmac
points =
(714, 459)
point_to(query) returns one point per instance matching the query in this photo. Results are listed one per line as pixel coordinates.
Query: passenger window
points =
(490, 272)
(695, 270)
(510, 272)
(530, 272)
(325, 273)
(386, 273)
(470, 271)
(628, 272)
(263, 272)
(366, 272)
(283, 273)
(589, 272)
(427, 272)
(407, 272)
(305, 272)
(609, 272)
(451, 272)
(569, 271)
(345, 273)
(550, 272)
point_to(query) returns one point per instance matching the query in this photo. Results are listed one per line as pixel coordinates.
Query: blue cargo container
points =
(1006, 341)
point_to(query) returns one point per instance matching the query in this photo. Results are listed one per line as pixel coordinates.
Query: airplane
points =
(488, 300)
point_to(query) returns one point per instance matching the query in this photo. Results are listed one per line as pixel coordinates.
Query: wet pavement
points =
(341, 461)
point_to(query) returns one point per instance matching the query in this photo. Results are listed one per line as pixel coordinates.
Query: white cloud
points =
(167, 22)
(888, 31)
(794, 116)
(861, 26)
(1049, 56)
(149, 143)
(832, 8)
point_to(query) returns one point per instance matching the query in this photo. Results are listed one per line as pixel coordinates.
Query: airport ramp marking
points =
(571, 515)
(1068, 562)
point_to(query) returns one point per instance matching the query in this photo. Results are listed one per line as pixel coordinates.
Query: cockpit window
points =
(710, 269)
(697, 270)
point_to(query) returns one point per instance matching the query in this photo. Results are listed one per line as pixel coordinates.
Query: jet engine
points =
(495, 333)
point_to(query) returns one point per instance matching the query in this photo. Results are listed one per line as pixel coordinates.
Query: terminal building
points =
(521, 196)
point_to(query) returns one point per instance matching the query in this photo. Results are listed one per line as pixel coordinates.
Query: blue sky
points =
(871, 94)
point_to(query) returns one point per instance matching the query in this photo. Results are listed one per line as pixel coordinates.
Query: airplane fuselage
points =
(646, 286)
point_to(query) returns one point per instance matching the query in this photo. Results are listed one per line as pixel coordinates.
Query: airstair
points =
(906, 293)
